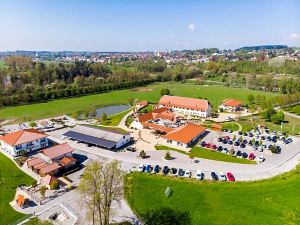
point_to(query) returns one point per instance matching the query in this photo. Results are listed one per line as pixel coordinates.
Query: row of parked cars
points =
(232, 152)
(183, 173)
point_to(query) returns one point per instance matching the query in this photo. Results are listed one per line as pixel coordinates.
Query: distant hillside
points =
(262, 47)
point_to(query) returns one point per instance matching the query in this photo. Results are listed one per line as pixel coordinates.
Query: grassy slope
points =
(10, 177)
(36, 221)
(294, 109)
(275, 201)
(114, 120)
(214, 155)
(58, 107)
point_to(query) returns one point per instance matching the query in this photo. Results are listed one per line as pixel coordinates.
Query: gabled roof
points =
(232, 102)
(185, 133)
(22, 136)
(57, 150)
(49, 168)
(162, 113)
(66, 161)
(183, 102)
(34, 161)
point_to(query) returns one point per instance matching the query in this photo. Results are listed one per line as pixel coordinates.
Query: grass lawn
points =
(249, 123)
(114, 120)
(163, 147)
(215, 95)
(266, 202)
(214, 155)
(10, 177)
(148, 108)
(230, 125)
(294, 109)
(36, 221)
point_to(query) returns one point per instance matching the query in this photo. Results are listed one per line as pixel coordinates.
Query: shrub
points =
(54, 185)
(143, 154)
(168, 156)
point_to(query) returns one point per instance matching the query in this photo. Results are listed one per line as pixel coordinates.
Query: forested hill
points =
(261, 47)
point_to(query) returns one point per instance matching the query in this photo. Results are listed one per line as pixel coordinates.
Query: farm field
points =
(215, 94)
(211, 203)
(10, 177)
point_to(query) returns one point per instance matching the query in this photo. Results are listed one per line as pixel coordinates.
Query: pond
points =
(109, 110)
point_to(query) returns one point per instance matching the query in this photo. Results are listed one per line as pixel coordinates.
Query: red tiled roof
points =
(34, 161)
(185, 133)
(232, 102)
(142, 103)
(57, 150)
(40, 165)
(49, 168)
(183, 102)
(161, 113)
(157, 127)
(22, 136)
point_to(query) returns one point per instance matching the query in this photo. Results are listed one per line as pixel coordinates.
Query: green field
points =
(215, 95)
(230, 125)
(2, 64)
(10, 177)
(163, 147)
(114, 120)
(36, 221)
(275, 201)
(214, 155)
(249, 123)
(294, 109)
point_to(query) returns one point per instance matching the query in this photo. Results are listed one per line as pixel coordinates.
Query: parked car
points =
(225, 141)
(245, 155)
(141, 168)
(260, 158)
(214, 146)
(199, 175)
(203, 143)
(222, 176)
(251, 156)
(187, 174)
(219, 139)
(238, 154)
(165, 170)
(230, 142)
(148, 168)
(180, 172)
(230, 176)
(225, 130)
(231, 152)
(207, 145)
(240, 133)
(173, 171)
(236, 143)
(245, 134)
(131, 149)
(250, 134)
(214, 176)
(230, 131)
(156, 169)
(220, 148)
(242, 145)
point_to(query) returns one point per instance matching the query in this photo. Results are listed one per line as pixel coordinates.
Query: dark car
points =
(230, 131)
(250, 135)
(203, 143)
(240, 133)
(230, 142)
(224, 141)
(245, 141)
(277, 149)
(242, 145)
(256, 143)
(131, 149)
(156, 169)
(225, 130)
(220, 148)
(236, 143)
(245, 134)
(180, 172)
(238, 153)
(262, 137)
(173, 170)
(219, 139)
(269, 138)
(250, 143)
(165, 170)
(245, 155)
(148, 168)
(214, 176)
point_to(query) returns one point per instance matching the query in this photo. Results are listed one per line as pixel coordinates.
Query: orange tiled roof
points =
(49, 168)
(22, 136)
(66, 160)
(34, 161)
(185, 133)
(57, 150)
(183, 102)
(232, 102)
(157, 127)
(162, 113)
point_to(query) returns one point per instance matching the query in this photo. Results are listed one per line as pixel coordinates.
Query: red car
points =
(230, 177)
(251, 156)
(214, 147)
(207, 145)
(226, 137)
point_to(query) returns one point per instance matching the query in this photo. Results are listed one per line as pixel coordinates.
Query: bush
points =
(168, 156)
(54, 185)
(32, 124)
(143, 154)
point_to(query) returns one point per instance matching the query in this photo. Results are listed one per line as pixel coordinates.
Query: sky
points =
(146, 25)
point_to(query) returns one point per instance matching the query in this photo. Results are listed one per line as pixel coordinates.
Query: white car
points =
(260, 149)
(222, 176)
(133, 169)
(187, 174)
(141, 168)
(199, 175)
(260, 158)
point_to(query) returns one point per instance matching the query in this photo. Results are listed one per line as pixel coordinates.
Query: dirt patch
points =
(141, 89)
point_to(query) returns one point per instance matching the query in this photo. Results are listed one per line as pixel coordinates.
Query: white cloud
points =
(295, 36)
(191, 27)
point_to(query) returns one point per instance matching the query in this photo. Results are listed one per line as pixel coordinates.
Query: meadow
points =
(215, 94)
(274, 201)
(10, 177)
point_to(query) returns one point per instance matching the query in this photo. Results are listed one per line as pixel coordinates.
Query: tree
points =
(104, 117)
(32, 124)
(75, 115)
(100, 186)
(142, 154)
(168, 156)
(54, 185)
(268, 113)
(251, 99)
(43, 190)
(164, 91)
(131, 101)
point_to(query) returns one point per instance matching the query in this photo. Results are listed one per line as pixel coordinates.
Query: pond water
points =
(110, 110)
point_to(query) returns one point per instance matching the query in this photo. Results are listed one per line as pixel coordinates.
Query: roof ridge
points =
(21, 133)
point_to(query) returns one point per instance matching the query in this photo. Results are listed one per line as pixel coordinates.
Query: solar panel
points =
(90, 139)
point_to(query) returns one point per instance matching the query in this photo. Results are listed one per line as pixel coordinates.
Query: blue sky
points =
(139, 25)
